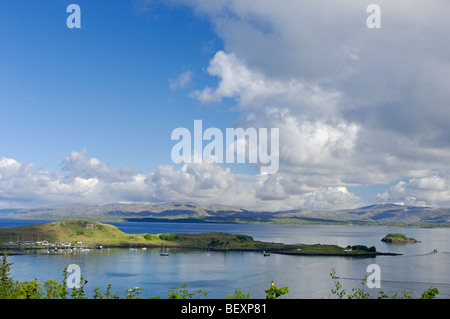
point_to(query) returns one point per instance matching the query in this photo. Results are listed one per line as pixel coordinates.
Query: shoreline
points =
(281, 251)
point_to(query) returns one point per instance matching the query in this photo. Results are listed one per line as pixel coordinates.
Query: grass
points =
(91, 233)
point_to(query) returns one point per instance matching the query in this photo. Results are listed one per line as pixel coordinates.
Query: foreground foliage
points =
(360, 293)
(52, 289)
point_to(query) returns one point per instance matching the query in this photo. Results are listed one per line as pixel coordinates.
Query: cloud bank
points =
(88, 180)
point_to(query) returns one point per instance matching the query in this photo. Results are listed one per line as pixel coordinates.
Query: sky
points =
(86, 114)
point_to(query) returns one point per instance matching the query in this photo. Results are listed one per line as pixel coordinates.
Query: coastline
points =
(15, 250)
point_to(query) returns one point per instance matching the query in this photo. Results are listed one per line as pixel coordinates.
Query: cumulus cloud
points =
(432, 190)
(354, 105)
(314, 138)
(88, 180)
(25, 184)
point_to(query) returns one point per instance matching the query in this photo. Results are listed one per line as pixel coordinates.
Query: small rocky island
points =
(398, 238)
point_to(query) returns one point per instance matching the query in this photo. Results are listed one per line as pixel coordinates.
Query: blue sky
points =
(87, 114)
(104, 87)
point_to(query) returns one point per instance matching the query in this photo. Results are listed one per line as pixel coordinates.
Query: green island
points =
(92, 234)
(398, 238)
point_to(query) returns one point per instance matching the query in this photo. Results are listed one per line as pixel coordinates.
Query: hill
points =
(68, 211)
(381, 214)
(90, 233)
(193, 212)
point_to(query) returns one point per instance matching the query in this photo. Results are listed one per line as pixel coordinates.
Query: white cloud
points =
(311, 131)
(24, 184)
(432, 190)
(354, 105)
(83, 179)
(181, 81)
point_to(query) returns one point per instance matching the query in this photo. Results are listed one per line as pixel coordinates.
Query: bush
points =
(168, 237)
(274, 292)
(184, 293)
(239, 294)
(148, 236)
(362, 247)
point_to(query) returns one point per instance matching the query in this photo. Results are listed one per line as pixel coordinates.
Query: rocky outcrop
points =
(397, 238)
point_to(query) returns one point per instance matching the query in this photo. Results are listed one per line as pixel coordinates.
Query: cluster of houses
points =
(55, 246)
(45, 243)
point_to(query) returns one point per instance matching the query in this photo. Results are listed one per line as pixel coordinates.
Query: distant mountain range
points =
(383, 213)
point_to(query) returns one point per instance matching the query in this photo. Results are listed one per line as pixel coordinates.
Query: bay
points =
(221, 273)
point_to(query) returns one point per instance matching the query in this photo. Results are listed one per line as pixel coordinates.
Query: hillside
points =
(68, 211)
(90, 233)
(383, 213)
(374, 214)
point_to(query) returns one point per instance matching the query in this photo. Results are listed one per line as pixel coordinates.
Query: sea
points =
(418, 267)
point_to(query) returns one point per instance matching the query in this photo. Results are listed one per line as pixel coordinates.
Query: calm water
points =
(307, 277)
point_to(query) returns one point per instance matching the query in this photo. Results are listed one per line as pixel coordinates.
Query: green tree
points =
(53, 289)
(7, 284)
(239, 294)
(430, 293)
(30, 289)
(180, 293)
(274, 292)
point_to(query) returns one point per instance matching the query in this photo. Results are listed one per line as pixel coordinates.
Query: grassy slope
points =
(94, 233)
(86, 231)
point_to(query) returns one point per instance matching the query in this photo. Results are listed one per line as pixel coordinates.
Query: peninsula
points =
(94, 235)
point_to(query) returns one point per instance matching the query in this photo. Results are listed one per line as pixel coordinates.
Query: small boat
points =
(164, 253)
(435, 251)
(134, 249)
(266, 254)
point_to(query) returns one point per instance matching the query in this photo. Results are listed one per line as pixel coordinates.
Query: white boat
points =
(164, 253)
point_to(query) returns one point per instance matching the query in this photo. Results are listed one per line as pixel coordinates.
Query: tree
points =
(239, 294)
(7, 284)
(430, 293)
(274, 292)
